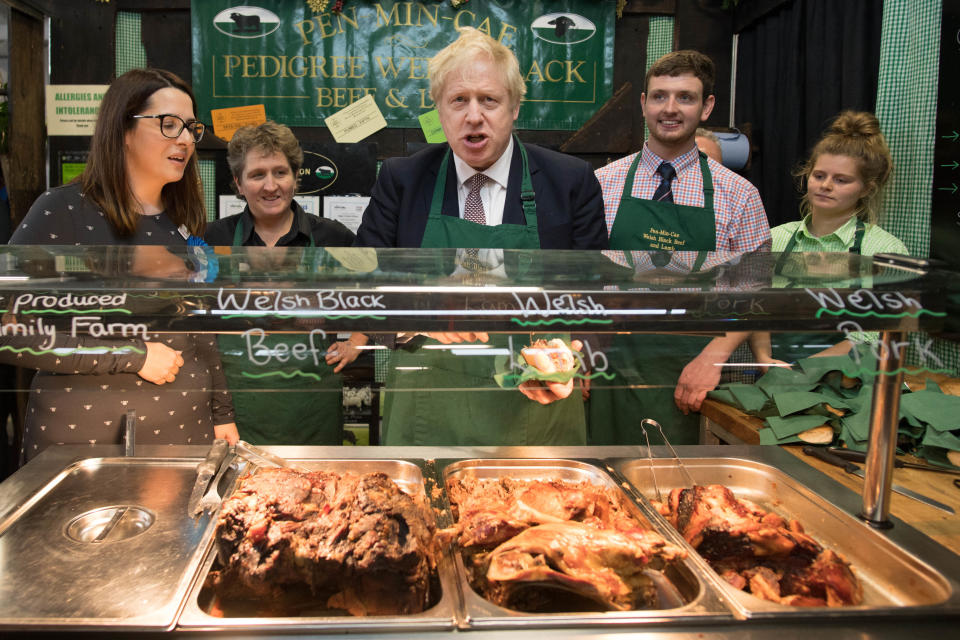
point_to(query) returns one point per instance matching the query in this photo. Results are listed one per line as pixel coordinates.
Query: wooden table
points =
(723, 423)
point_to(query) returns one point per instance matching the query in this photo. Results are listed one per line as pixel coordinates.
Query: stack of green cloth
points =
(792, 401)
(932, 417)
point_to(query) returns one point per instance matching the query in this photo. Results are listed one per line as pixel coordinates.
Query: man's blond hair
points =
(470, 45)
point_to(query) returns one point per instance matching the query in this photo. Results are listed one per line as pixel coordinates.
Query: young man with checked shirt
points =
(669, 189)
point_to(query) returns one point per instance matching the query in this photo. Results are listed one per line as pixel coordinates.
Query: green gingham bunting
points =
(907, 110)
(130, 53)
(208, 176)
(659, 43)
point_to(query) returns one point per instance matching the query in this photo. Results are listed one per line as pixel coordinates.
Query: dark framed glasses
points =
(171, 126)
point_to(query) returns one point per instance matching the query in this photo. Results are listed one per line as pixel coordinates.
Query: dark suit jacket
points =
(568, 197)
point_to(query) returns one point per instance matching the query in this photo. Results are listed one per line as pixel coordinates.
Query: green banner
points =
(305, 67)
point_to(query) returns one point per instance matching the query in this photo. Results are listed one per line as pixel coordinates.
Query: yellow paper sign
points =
(72, 108)
(355, 122)
(227, 121)
(430, 123)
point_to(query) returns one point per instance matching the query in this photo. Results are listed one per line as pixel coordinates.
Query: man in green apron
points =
(670, 197)
(484, 190)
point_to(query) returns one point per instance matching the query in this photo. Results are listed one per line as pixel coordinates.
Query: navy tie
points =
(667, 173)
(660, 258)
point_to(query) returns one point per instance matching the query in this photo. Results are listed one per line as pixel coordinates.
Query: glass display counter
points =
(439, 356)
(639, 319)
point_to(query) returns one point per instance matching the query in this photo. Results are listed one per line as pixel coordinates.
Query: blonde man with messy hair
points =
(468, 47)
(481, 191)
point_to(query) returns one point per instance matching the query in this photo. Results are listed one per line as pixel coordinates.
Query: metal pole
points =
(734, 53)
(884, 417)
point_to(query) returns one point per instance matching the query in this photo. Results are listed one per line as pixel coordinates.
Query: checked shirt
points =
(875, 239)
(740, 218)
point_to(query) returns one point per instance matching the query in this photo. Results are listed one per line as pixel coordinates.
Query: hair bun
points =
(855, 124)
(857, 135)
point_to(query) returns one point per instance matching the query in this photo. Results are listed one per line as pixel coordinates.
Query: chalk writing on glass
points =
(725, 306)
(563, 321)
(547, 304)
(70, 303)
(590, 359)
(94, 326)
(69, 351)
(865, 300)
(31, 327)
(888, 304)
(259, 353)
(89, 310)
(287, 375)
(278, 301)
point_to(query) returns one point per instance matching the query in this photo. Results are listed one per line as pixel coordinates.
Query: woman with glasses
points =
(141, 184)
(140, 187)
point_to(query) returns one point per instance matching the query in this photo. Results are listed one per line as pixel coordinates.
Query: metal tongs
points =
(683, 470)
(262, 458)
(211, 499)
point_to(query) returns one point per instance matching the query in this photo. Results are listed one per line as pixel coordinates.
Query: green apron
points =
(304, 406)
(433, 397)
(791, 347)
(652, 361)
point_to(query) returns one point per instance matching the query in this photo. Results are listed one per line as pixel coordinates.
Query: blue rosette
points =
(204, 261)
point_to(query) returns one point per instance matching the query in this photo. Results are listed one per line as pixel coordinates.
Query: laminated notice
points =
(356, 121)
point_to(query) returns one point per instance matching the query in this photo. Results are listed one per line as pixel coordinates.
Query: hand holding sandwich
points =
(549, 356)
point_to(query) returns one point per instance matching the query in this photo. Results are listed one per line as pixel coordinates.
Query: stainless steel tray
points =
(894, 580)
(106, 543)
(414, 478)
(701, 600)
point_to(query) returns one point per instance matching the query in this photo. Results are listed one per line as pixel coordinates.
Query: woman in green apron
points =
(433, 397)
(646, 367)
(286, 386)
(844, 177)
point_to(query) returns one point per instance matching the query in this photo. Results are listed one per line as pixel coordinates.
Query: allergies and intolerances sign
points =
(305, 67)
(72, 109)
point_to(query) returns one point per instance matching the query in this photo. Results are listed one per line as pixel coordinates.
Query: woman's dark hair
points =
(104, 180)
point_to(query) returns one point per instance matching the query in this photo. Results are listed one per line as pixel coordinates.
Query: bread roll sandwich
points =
(552, 356)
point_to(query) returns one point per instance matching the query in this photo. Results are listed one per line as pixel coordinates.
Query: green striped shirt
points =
(875, 239)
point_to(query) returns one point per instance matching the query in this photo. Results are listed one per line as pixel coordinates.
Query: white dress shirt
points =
(493, 194)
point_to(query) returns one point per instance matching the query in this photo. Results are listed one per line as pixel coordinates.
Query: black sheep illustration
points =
(245, 24)
(563, 23)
